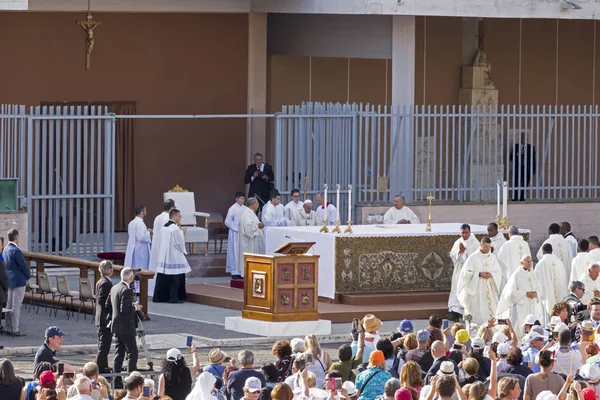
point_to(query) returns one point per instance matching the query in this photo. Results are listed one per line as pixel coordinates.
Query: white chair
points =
(185, 202)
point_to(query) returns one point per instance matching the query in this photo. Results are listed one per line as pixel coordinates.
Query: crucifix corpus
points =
(88, 26)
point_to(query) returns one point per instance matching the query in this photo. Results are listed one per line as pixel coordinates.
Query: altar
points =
(379, 258)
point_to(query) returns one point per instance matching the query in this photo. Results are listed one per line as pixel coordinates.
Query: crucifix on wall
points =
(88, 26)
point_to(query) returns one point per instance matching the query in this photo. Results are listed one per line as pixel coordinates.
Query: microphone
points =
(299, 240)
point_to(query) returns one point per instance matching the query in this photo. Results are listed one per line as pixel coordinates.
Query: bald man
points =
(438, 351)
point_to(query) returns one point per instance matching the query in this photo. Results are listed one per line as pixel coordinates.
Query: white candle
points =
(349, 202)
(325, 202)
(498, 197)
(337, 202)
(504, 200)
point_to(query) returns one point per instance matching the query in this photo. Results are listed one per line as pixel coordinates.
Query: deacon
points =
(565, 230)
(550, 274)
(232, 221)
(400, 214)
(172, 265)
(594, 248)
(464, 246)
(511, 252)
(591, 283)
(582, 261)
(306, 216)
(273, 213)
(519, 297)
(294, 205)
(159, 222)
(561, 248)
(496, 237)
(331, 210)
(138, 244)
(479, 283)
(251, 234)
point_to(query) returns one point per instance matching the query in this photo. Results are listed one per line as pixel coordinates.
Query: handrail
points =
(84, 267)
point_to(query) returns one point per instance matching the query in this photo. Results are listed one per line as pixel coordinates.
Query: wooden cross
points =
(88, 26)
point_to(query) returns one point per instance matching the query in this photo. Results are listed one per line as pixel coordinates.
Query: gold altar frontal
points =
(281, 288)
(389, 264)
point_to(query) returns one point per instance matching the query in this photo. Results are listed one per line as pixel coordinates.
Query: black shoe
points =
(453, 316)
(236, 277)
(18, 334)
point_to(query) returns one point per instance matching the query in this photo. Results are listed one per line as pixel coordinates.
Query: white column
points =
(403, 94)
(256, 136)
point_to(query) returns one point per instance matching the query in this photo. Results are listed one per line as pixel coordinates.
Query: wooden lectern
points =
(282, 287)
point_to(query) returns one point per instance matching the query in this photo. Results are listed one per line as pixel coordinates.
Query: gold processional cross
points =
(88, 26)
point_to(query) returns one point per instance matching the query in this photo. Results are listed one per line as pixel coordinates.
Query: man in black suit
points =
(103, 316)
(523, 159)
(438, 351)
(123, 320)
(260, 177)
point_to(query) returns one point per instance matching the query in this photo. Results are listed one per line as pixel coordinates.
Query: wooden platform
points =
(386, 306)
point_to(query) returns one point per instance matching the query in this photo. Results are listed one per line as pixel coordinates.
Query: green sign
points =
(8, 195)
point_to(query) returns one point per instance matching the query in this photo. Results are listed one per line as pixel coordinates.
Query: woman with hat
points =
(216, 359)
(371, 325)
(176, 378)
(371, 382)
(320, 358)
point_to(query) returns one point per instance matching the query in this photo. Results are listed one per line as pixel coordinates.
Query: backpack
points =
(395, 366)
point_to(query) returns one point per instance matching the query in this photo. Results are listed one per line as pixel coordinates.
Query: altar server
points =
(294, 205)
(519, 297)
(592, 283)
(306, 216)
(464, 246)
(561, 249)
(479, 283)
(496, 237)
(594, 248)
(400, 214)
(582, 261)
(159, 222)
(511, 252)
(273, 213)
(251, 235)
(232, 221)
(551, 275)
(172, 265)
(137, 254)
(331, 210)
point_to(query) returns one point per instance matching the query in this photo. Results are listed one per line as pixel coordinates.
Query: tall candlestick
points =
(349, 202)
(337, 202)
(325, 200)
(505, 199)
(498, 197)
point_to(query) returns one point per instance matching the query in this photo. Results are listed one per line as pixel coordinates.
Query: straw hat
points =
(371, 323)
(216, 356)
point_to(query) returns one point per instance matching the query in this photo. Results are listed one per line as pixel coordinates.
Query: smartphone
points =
(61, 368)
(309, 358)
(457, 346)
(332, 385)
(338, 384)
(189, 341)
(446, 324)
(69, 378)
(146, 392)
(355, 324)
(554, 335)
(501, 321)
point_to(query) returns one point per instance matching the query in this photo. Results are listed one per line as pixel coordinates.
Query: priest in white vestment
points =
(326, 211)
(512, 252)
(252, 239)
(560, 248)
(551, 275)
(172, 265)
(232, 221)
(159, 222)
(479, 283)
(400, 214)
(463, 247)
(565, 231)
(594, 248)
(294, 205)
(137, 254)
(582, 261)
(592, 283)
(273, 213)
(496, 237)
(519, 297)
(306, 216)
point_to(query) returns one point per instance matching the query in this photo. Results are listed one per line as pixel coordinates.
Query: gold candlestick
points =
(502, 222)
(324, 229)
(349, 227)
(428, 226)
(337, 227)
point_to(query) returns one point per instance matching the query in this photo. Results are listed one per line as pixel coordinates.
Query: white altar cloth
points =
(325, 242)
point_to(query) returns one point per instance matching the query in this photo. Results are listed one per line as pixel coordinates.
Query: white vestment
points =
(159, 222)
(301, 218)
(497, 242)
(479, 296)
(393, 216)
(551, 276)
(171, 254)
(510, 254)
(292, 207)
(138, 245)
(514, 303)
(251, 238)
(274, 215)
(232, 221)
(331, 214)
(590, 286)
(572, 240)
(471, 245)
(580, 265)
(562, 249)
(595, 254)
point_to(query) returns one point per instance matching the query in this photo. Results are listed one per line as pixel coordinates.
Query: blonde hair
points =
(505, 385)
(471, 366)
(455, 328)
(311, 379)
(311, 345)
(478, 391)
(410, 341)
(410, 375)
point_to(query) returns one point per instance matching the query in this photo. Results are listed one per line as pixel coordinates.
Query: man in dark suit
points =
(573, 299)
(18, 275)
(123, 320)
(523, 159)
(3, 280)
(103, 315)
(260, 177)
(438, 351)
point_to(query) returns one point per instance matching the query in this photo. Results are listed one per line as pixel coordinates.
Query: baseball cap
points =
(503, 349)
(376, 357)
(547, 395)
(499, 337)
(560, 327)
(47, 379)
(406, 327)
(173, 355)
(555, 320)
(478, 344)
(423, 335)
(253, 384)
(462, 336)
(588, 394)
(590, 372)
(538, 329)
(531, 336)
(531, 319)
(53, 331)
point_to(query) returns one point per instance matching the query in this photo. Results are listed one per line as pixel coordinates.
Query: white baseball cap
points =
(531, 319)
(503, 349)
(499, 337)
(253, 384)
(173, 355)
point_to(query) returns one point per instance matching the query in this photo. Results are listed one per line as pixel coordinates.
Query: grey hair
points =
(391, 386)
(513, 230)
(576, 285)
(105, 267)
(83, 383)
(246, 357)
(593, 265)
(403, 199)
(251, 200)
(126, 274)
(150, 384)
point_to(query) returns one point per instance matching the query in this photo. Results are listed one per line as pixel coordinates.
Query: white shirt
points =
(393, 215)
(292, 207)
(567, 363)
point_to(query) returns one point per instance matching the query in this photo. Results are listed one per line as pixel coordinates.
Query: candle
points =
(325, 202)
(504, 200)
(349, 203)
(498, 197)
(337, 202)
